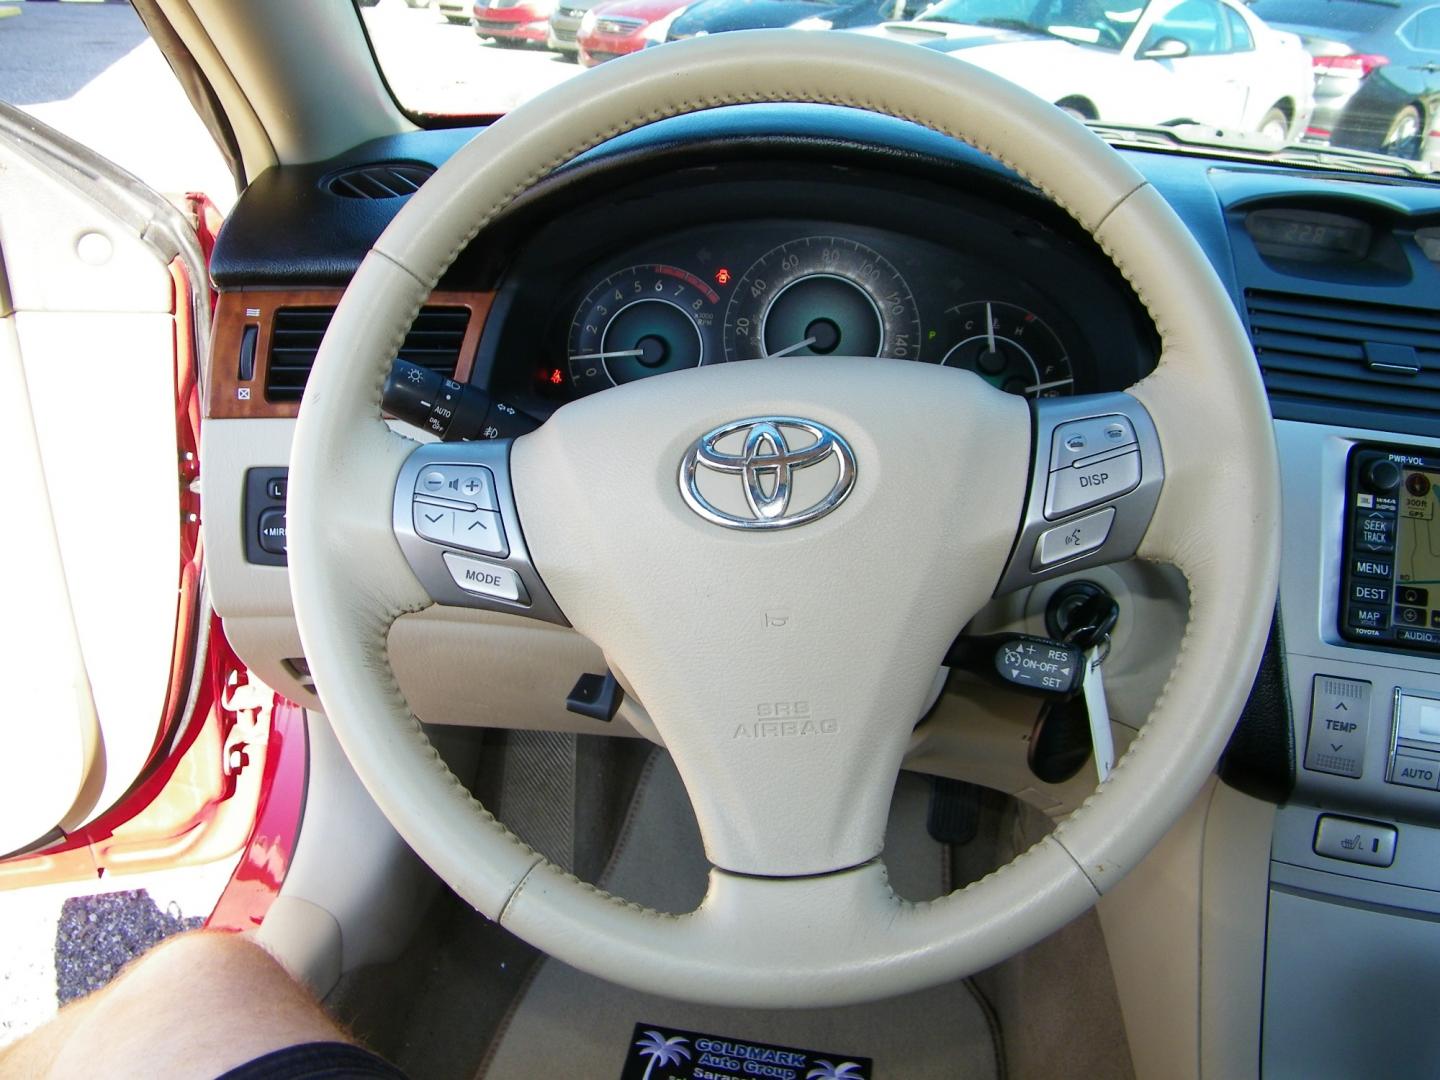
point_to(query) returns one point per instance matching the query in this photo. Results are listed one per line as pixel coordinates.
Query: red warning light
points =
(722, 276)
(556, 377)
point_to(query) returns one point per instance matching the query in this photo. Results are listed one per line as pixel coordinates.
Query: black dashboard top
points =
(1321, 265)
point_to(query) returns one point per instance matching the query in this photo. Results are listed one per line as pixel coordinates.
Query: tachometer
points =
(1008, 347)
(821, 296)
(640, 321)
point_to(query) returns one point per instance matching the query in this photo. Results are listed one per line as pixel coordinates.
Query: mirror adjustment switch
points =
(271, 530)
(1339, 724)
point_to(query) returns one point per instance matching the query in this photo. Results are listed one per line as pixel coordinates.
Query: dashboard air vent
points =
(1368, 358)
(388, 180)
(434, 342)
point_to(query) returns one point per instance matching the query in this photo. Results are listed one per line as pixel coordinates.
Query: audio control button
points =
(470, 484)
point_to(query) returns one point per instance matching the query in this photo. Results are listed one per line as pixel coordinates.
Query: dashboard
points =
(739, 234)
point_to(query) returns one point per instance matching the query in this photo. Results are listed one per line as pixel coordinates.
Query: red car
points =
(506, 21)
(611, 30)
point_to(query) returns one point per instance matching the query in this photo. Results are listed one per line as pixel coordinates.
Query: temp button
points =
(1339, 724)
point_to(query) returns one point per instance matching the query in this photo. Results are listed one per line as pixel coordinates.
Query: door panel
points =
(88, 346)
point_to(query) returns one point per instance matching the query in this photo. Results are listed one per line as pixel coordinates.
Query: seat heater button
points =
(480, 530)
(1415, 772)
(271, 528)
(1072, 539)
(471, 484)
(1082, 486)
(1366, 842)
(1086, 438)
(484, 578)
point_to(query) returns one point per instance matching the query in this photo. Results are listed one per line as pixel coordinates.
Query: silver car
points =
(565, 26)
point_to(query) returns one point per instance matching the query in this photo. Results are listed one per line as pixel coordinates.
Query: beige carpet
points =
(570, 1024)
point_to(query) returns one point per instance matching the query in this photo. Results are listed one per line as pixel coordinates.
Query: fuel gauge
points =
(1009, 347)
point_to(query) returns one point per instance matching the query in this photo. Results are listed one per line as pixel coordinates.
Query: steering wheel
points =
(784, 664)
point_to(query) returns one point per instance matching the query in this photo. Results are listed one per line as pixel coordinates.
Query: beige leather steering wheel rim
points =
(763, 936)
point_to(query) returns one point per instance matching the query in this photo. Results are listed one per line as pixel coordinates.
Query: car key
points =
(1068, 731)
(1092, 623)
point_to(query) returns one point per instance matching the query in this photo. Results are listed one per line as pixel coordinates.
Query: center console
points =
(1353, 929)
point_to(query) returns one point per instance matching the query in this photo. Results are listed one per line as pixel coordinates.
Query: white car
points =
(1169, 61)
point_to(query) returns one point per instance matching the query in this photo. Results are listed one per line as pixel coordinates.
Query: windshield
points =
(1317, 81)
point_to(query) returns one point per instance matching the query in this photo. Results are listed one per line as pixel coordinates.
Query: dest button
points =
(485, 579)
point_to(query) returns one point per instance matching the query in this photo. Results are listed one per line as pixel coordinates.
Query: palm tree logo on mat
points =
(662, 1051)
(828, 1070)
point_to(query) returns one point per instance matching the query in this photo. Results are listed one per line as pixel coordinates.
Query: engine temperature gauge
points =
(1008, 347)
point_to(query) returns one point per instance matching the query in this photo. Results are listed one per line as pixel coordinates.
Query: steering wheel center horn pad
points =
(784, 667)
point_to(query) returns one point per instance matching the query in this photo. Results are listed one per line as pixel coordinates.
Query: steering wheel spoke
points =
(455, 518)
(1096, 474)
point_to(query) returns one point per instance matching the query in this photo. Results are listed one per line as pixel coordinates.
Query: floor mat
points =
(570, 1024)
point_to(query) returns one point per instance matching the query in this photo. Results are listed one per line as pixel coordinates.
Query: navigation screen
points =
(1417, 551)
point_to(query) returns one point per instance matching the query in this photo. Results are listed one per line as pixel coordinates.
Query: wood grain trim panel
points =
(231, 399)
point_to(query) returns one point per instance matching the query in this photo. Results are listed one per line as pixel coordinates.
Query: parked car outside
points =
(1377, 71)
(715, 16)
(1210, 62)
(514, 22)
(455, 11)
(614, 29)
(565, 26)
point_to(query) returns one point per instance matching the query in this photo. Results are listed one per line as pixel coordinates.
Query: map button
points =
(1339, 724)
(1368, 618)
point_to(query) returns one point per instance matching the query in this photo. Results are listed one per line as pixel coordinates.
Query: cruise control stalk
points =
(452, 411)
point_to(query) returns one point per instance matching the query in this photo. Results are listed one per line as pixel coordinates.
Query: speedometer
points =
(821, 296)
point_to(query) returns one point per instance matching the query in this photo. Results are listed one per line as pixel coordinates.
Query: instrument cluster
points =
(802, 288)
